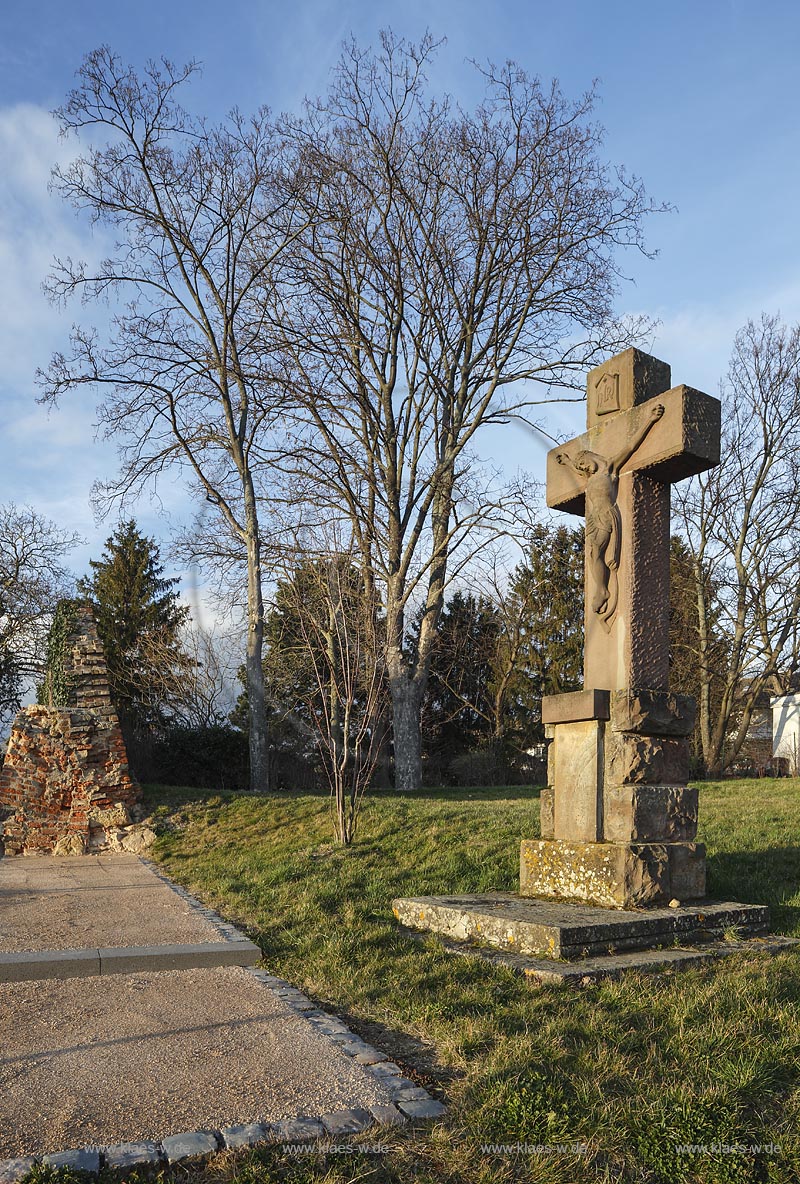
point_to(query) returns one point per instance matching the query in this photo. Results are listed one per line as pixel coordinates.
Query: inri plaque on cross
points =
(618, 819)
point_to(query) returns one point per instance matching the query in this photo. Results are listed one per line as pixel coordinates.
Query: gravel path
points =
(86, 901)
(156, 1067)
(99, 1061)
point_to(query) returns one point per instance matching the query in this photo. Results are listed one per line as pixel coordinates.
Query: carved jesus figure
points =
(603, 523)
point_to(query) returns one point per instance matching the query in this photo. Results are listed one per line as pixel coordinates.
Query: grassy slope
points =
(630, 1068)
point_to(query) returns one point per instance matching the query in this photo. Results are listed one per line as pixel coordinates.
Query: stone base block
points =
(650, 813)
(653, 713)
(645, 760)
(612, 875)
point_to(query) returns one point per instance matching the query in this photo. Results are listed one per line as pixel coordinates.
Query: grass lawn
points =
(629, 1070)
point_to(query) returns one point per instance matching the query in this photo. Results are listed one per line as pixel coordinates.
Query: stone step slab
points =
(541, 972)
(563, 930)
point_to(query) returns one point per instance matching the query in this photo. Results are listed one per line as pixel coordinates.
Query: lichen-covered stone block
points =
(615, 875)
(612, 874)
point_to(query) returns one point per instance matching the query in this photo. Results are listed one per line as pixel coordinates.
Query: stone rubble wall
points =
(88, 673)
(65, 786)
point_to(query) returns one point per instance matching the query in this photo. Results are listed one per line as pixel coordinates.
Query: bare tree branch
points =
(741, 522)
(461, 266)
(202, 216)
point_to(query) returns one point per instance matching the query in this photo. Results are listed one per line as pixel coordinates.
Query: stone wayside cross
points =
(618, 820)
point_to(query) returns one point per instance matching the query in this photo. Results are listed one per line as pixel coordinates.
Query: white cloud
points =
(31, 145)
(696, 339)
(34, 226)
(48, 458)
(696, 342)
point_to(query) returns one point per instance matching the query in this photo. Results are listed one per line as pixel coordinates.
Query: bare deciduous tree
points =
(32, 581)
(202, 215)
(196, 682)
(741, 523)
(335, 625)
(462, 264)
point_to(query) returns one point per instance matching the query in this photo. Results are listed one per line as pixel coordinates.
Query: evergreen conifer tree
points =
(138, 619)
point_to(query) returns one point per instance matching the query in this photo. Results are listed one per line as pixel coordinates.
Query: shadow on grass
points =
(770, 877)
(461, 793)
(180, 795)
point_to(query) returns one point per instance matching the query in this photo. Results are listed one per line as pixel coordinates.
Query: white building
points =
(786, 730)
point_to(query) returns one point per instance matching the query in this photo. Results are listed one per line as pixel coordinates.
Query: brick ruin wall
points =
(65, 787)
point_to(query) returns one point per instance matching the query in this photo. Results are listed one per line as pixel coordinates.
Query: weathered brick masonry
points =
(65, 785)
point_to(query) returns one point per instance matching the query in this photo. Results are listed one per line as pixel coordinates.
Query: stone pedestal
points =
(542, 928)
(618, 820)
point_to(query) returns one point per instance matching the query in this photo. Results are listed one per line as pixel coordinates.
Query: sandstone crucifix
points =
(649, 446)
(618, 820)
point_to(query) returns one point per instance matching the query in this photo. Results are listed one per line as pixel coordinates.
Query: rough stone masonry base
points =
(612, 875)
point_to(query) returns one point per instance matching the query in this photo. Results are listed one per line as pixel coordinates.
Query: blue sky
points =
(699, 99)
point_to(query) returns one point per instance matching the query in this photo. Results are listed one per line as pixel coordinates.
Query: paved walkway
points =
(101, 1059)
(92, 900)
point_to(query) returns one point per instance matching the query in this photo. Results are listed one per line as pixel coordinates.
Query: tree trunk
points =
(257, 714)
(408, 680)
(406, 703)
(256, 698)
(382, 775)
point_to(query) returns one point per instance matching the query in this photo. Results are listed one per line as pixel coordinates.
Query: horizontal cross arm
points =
(685, 441)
